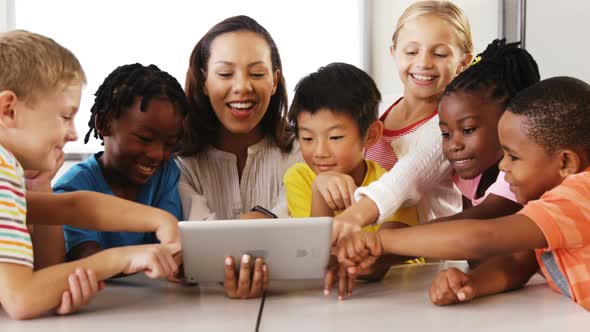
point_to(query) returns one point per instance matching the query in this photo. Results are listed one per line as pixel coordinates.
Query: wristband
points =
(264, 211)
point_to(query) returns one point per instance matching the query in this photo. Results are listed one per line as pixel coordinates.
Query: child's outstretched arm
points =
(48, 240)
(466, 239)
(461, 239)
(101, 212)
(83, 249)
(25, 294)
(359, 251)
(421, 169)
(494, 275)
(363, 213)
(493, 206)
(376, 272)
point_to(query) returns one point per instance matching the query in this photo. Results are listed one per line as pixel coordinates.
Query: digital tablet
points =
(294, 248)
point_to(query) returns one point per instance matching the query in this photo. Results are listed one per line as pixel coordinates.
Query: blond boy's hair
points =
(33, 64)
(445, 10)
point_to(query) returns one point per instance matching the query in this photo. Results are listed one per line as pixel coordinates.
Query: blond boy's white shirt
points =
(422, 177)
(209, 187)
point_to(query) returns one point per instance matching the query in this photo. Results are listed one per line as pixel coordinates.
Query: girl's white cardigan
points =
(422, 177)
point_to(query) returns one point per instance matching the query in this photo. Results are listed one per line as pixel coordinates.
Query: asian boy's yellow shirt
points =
(299, 178)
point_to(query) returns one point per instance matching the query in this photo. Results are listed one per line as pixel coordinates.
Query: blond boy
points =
(40, 88)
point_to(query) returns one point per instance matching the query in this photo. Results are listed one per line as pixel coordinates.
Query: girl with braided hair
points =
(546, 144)
(137, 113)
(469, 111)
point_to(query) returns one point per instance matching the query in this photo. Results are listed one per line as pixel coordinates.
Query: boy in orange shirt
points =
(546, 142)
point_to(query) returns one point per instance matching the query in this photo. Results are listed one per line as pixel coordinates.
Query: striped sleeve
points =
(15, 240)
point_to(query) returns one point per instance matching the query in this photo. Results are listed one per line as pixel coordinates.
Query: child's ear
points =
(392, 50)
(374, 133)
(7, 112)
(570, 162)
(467, 58)
(105, 129)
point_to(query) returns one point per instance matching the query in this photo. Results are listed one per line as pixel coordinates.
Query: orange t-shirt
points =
(563, 215)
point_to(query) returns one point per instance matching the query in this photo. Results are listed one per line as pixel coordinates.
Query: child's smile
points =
(530, 169)
(427, 56)
(48, 125)
(138, 143)
(461, 164)
(147, 171)
(468, 122)
(423, 79)
(331, 141)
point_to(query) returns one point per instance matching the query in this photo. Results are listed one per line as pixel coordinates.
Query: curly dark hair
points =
(557, 113)
(501, 71)
(124, 85)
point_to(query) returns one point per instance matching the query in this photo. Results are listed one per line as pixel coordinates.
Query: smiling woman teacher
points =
(237, 143)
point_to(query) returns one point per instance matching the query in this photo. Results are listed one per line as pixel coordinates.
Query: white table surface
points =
(139, 304)
(401, 303)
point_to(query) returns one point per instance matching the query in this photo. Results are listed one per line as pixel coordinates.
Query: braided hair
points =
(124, 85)
(502, 70)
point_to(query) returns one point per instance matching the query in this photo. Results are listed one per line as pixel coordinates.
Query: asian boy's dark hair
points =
(340, 88)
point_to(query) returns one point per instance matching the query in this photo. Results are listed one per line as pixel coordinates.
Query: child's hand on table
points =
(451, 286)
(83, 287)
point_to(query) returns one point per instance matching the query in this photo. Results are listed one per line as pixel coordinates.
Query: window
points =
(109, 33)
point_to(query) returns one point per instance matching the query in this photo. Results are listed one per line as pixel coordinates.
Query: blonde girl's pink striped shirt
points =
(418, 172)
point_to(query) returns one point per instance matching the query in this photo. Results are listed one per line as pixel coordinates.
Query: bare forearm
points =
(504, 273)
(319, 208)
(386, 261)
(465, 239)
(93, 210)
(492, 207)
(362, 213)
(83, 250)
(382, 266)
(48, 241)
(389, 260)
(26, 294)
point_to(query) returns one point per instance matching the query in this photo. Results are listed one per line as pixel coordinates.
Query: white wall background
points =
(3, 26)
(108, 33)
(6, 15)
(557, 35)
(557, 32)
